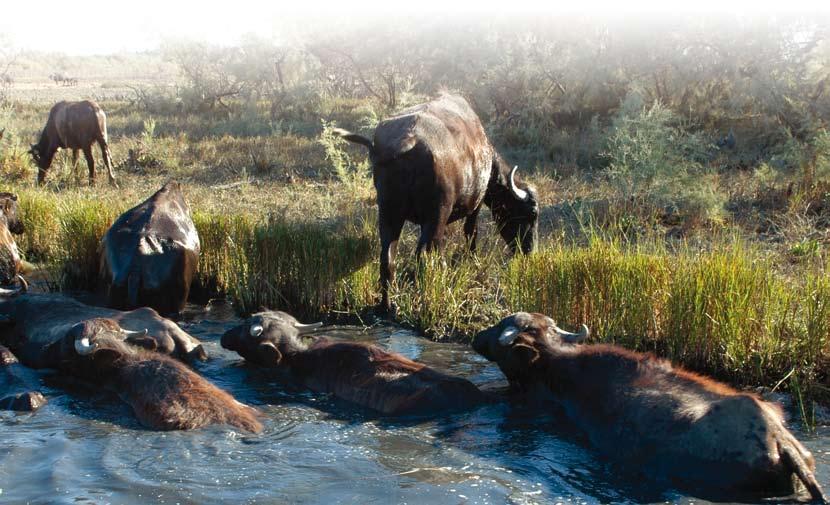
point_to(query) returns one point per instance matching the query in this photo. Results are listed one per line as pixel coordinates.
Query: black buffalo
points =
(163, 393)
(150, 254)
(432, 164)
(42, 319)
(363, 374)
(73, 125)
(694, 432)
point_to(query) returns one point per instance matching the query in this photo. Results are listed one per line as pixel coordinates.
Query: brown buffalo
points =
(73, 125)
(359, 373)
(699, 434)
(15, 387)
(42, 319)
(432, 164)
(150, 254)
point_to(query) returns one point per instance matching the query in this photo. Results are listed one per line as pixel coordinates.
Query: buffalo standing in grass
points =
(150, 254)
(432, 164)
(696, 433)
(73, 125)
(52, 332)
(363, 374)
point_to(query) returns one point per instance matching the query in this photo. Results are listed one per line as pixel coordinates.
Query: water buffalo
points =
(356, 372)
(41, 319)
(73, 125)
(150, 254)
(698, 434)
(432, 164)
(14, 385)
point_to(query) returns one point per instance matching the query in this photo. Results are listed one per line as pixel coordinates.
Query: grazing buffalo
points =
(360, 373)
(150, 254)
(73, 125)
(696, 433)
(42, 319)
(14, 386)
(432, 165)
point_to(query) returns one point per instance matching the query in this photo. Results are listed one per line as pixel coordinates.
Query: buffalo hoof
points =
(384, 312)
(23, 402)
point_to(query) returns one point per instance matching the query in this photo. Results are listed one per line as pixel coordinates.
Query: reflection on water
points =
(85, 446)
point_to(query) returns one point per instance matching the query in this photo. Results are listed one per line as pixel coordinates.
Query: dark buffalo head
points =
(515, 207)
(94, 347)
(517, 341)
(266, 337)
(40, 152)
(9, 207)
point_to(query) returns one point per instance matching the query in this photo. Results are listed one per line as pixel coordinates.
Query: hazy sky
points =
(95, 26)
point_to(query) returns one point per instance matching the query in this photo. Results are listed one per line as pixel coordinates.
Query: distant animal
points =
(696, 433)
(41, 319)
(728, 141)
(150, 254)
(432, 164)
(356, 372)
(163, 393)
(14, 386)
(73, 125)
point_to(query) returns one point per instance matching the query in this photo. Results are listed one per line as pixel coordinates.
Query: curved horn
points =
(517, 191)
(256, 330)
(10, 292)
(307, 328)
(139, 333)
(572, 338)
(84, 347)
(508, 335)
(24, 286)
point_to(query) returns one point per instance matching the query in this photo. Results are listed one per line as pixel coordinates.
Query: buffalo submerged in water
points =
(696, 433)
(150, 254)
(363, 374)
(432, 164)
(91, 343)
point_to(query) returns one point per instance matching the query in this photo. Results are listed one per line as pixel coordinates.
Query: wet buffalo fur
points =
(363, 374)
(11, 380)
(163, 393)
(150, 254)
(432, 164)
(73, 125)
(674, 425)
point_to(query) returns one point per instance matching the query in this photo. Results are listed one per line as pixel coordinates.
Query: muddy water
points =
(85, 447)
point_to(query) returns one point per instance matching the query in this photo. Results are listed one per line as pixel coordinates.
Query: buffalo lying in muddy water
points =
(363, 374)
(432, 164)
(73, 125)
(42, 319)
(681, 427)
(163, 393)
(150, 254)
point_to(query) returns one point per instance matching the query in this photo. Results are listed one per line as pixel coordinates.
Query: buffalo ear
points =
(144, 342)
(525, 354)
(269, 354)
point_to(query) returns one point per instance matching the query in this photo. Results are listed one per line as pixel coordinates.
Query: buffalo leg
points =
(432, 232)
(105, 154)
(390, 232)
(471, 229)
(90, 163)
(75, 163)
